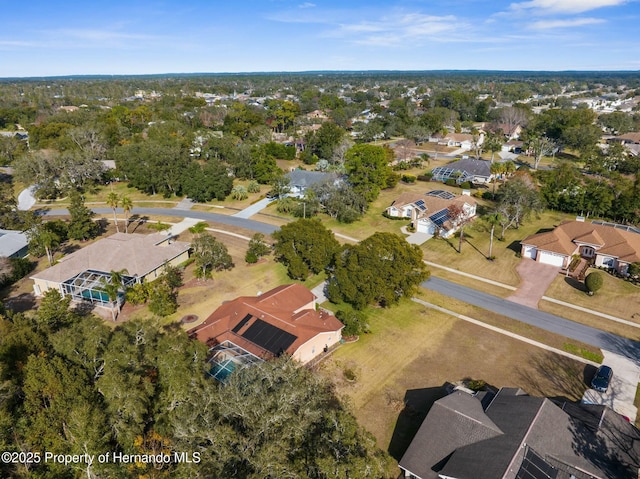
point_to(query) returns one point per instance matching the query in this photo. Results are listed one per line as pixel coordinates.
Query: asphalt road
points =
(556, 324)
(607, 341)
(199, 215)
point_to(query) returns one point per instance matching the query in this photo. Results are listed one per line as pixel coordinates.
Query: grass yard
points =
(413, 351)
(517, 327)
(617, 297)
(202, 297)
(475, 249)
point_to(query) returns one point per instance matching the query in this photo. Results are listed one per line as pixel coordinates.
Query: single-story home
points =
(430, 213)
(457, 140)
(468, 169)
(283, 320)
(607, 245)
(300, 180)
(510, 434)
(13, 244)
(82, 273)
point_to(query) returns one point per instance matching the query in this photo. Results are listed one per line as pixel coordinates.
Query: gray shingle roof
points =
(465, 442)
(304, 178)
(453, 422)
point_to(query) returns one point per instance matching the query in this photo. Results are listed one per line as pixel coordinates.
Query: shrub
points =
(355, 322)
(593, 282)
(426, 176)
(349, 374)
(466, 185)
(487, 195)
(451, 182)
(138, 293)
(253, 187)
(387, 215)
(251, 257)
(159, 226)
(409, 178)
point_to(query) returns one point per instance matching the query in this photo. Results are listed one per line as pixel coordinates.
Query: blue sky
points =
(43, 38)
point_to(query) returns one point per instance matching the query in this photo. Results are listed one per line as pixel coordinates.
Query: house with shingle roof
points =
(82, 273)
(468, 169)
(512, 435)
(430, 212)
(283, 320)
(603, 245)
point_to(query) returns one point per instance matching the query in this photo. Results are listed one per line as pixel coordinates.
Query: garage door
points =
(529, 252)
(552, 259)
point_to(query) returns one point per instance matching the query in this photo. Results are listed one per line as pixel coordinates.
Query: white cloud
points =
(565, 6)
(398, 29)
(576, 22)
(307, 5)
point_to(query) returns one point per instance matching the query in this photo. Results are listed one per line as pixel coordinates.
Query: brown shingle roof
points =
(279, 307)
(564, 239)
(137, 253)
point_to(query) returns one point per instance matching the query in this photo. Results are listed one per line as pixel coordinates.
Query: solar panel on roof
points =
(269, 337)
(242, 322)
(420, 204)
(440, 217)
(447, 195)
(535, 467)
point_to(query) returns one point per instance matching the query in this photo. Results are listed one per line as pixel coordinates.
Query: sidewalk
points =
(504, 332)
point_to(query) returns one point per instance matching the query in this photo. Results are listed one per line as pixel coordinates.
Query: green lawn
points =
(475, 249)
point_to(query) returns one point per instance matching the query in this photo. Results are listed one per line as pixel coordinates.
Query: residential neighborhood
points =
(411, 276)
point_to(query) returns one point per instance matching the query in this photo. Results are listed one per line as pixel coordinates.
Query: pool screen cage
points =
(444, 173)
(89, 286)
(226, 357)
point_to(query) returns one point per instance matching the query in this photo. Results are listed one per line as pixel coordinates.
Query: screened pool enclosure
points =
(91, 285)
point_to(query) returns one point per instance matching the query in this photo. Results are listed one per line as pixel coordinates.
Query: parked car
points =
(601, 380)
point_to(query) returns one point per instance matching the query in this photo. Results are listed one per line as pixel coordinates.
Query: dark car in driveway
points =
(601, 380)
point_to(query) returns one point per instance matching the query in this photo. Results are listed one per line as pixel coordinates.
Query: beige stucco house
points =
(603, 245)
(283, 320)
(140, 257)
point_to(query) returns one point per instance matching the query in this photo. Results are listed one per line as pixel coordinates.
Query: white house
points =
(431, 213)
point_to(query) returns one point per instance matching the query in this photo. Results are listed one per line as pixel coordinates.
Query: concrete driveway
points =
(535, 279)
(622, 390)
(253, 209)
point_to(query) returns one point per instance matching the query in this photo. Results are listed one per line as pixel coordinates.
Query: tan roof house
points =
(603, 245)
(429, 213)
(81, 274)
(283, 320)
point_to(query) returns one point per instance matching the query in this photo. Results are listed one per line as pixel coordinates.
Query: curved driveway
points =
(540, 319)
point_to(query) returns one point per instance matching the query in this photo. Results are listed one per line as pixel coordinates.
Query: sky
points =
(94, 37)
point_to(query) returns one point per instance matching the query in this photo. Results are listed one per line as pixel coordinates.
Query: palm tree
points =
(496, 169)
(198, 228)
(493, 219)
(509, 168)
(112, 287)
(127, 206)
(112, 202)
